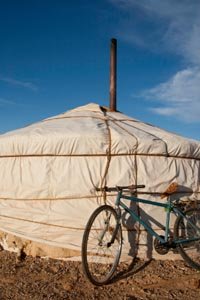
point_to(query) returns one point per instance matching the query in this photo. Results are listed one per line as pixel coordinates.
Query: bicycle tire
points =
(190, 252)
(98, 261)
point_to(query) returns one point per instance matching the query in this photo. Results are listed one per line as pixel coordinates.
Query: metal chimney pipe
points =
(113, 75)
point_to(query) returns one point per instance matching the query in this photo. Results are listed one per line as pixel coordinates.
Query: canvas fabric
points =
(49, 172)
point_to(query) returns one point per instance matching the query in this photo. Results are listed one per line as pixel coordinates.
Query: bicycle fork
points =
(106, 222)
(113, 231)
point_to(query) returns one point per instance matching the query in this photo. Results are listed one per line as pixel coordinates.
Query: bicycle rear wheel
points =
(101, 245)
(183, 230)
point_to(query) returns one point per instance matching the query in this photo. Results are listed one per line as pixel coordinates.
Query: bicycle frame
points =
(169, 207)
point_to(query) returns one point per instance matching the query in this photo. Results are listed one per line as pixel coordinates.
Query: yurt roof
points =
(94, 130)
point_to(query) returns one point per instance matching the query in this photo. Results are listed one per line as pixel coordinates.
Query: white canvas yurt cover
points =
(49, 171)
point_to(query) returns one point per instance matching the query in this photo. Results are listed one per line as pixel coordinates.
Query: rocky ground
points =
(38, 278)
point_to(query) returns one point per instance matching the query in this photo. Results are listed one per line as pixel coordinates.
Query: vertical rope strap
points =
(108, 152)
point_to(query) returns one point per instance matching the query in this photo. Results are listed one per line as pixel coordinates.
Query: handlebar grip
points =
(106, 189)
(117, 188)
(140, 186)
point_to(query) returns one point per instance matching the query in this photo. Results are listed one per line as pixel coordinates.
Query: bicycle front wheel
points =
(186, 229)
(101, 245)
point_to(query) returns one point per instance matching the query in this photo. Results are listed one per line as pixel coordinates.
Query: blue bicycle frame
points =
(169, 207)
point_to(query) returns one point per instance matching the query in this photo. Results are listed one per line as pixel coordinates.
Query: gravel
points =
(40, 278)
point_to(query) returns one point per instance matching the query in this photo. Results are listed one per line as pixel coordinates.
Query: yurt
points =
(49, 172)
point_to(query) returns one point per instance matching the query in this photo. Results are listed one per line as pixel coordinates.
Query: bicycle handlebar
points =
(120, 188)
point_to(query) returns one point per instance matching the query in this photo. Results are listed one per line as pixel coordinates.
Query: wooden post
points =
(113, 75)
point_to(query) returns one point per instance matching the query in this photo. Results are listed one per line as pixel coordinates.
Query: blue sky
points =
(54, 56)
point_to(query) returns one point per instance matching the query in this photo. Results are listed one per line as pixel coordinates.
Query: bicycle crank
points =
(161, 248)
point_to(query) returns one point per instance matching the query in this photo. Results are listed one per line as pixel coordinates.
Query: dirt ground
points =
(39, 278)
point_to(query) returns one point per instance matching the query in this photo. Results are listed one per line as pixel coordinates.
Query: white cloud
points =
(177, 30)
(180, 96)
(5, 102)
(177, 25)
(24, 84)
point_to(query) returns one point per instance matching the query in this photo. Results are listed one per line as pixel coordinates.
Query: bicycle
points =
(102, 238)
